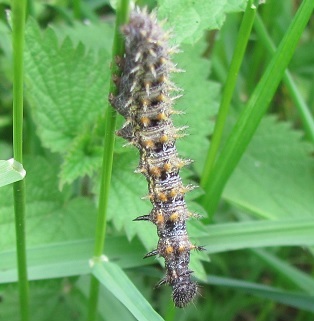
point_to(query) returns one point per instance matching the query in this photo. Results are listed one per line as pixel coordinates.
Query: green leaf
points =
(51, 215)
(11, 171)
(235, 236)
(6, 49)
(69, 258)
(297, 300)
(199, 102)
(5, 150)
(82, 158)
(116, 281)
(50, 300)
(190, 19)
(303, 61)
(295, 276)
(55, 259)
(91, 35)
(256, 107)
(65, 87)
(110, 308)
(274, 178)
(125, 203)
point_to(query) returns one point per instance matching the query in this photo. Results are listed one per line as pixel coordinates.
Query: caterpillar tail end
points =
(183, 293)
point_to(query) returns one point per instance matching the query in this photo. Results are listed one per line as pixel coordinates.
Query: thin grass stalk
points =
(303, 109)
(257, 57)
(251, 116)
(109, 138)
(30, 10)
(241, 43)
(77, 9)
(170, 314)
(18, 28)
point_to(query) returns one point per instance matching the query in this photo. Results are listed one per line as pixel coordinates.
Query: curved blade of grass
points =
(69, 258)
(110, 308)
(295, 276)
(241, 43)
(11, 171)
(253, 234)
(117, 282)
(297, 300)
(255, 109)
(297, 98)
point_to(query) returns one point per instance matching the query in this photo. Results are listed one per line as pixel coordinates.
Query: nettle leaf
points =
(199, 102)
(50, 214)
(67, 93)
(82, 158)
(91, 35)
(190, 18)
(59, 304)
(66, 89)
(125, 203)
(5, 150)
(275, 176)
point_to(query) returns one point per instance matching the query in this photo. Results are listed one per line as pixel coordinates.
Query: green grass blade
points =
(241, 43)
(303, 109)
(54, 260)
(295, 276)
(110, 308)
(11, 171)
(253, 234)
(297, 300)
(255, 109)
(69, 258)
(117, 282)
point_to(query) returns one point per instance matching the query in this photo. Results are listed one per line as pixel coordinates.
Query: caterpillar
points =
(145, 99)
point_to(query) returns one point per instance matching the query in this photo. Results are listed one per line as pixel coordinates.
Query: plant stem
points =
(251, 116)
(298, 100)
(170, 314)
(243, 37)
(110, 124)
(77, 9)
(30, 10)
(18, 26)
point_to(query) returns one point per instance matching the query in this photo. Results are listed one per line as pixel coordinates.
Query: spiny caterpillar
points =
(145, 100)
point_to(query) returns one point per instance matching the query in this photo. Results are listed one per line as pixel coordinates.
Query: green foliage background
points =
(268, 201)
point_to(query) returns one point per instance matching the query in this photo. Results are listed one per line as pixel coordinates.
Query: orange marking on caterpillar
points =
(174, 217)
(169, 250)
(155, 171)
(145, 121)
(159, 218)
(148, 144)
(167, 167)
(161, 116)
(163, 139)
(162, 197)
